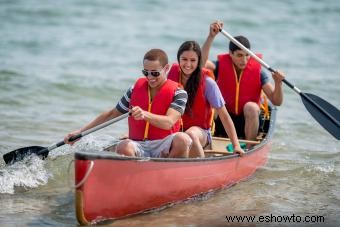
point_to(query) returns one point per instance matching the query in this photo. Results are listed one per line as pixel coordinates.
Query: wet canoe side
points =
(122, 187)
(112, 187)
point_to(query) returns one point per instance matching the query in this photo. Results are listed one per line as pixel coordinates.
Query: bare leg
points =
(199, 139)
(180, 146)
(251, 114)
(127, 148)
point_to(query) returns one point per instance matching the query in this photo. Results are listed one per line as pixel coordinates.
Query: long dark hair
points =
(193, 82)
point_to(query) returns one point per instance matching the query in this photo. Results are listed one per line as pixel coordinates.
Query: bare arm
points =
(214, 30)
(103, 117)
(275, 94)
(165, 122)
(173, 114)
(210, 65)
(229, 128)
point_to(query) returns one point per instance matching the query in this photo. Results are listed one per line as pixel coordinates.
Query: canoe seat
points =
(216, 153)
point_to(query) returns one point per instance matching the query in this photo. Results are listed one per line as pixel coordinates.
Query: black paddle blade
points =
(325, 113)
(21, 153)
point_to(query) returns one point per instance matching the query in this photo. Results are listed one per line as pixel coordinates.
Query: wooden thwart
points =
(241, 141)
(217, 152)
(219, 144)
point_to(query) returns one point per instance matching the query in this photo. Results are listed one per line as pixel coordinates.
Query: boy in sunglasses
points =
(156, 105)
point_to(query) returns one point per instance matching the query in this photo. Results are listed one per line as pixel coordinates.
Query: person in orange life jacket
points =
(203, 94)
(156, 105)
(241, 79)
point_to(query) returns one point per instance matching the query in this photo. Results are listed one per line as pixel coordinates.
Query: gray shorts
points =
(209, 137)
(154, 148)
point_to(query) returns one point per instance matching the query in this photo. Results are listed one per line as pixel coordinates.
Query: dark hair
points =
(243, 40)
(193, 82)
(156, 55)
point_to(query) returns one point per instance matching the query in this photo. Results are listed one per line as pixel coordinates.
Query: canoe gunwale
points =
(85, 155)
(160, 181)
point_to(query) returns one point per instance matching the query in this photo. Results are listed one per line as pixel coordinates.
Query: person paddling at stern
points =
(156, 105)
(241, 79)
(203, 95)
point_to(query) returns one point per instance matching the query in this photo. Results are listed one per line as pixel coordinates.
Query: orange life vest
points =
(201, 112)
(237, 92)
(142, 130)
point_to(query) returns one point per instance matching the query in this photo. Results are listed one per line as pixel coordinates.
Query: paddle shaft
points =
(96, 128)
(21, 153)
(237, 43)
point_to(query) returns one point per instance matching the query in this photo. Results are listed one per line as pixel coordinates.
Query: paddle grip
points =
(73, 138)
(285, 81)
(61, 143)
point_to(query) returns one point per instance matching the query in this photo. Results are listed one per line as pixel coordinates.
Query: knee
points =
(181, 145)
(183, 139)
(191, 134)
(251, 110)
(126, 148)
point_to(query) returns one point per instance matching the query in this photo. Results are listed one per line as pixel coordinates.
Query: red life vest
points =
(237, 93)
(140, 129)
(201, 112)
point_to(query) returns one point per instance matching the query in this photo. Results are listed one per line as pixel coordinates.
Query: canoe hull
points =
(124, 187)
(112, 187)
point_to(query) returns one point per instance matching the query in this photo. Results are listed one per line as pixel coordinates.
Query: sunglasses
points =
(152, 73)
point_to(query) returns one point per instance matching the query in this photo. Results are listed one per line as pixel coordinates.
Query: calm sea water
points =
(64, 62)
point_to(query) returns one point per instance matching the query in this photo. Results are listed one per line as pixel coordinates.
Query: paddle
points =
(323, 112)
(23, 152)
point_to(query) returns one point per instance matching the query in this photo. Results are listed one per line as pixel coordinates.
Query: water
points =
(64, 62)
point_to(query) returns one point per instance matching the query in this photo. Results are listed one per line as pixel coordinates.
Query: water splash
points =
(33, 172)
(323, 168)
(89, 143)
(28, 173)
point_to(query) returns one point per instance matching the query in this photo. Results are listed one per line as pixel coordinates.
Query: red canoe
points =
(111, 187)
